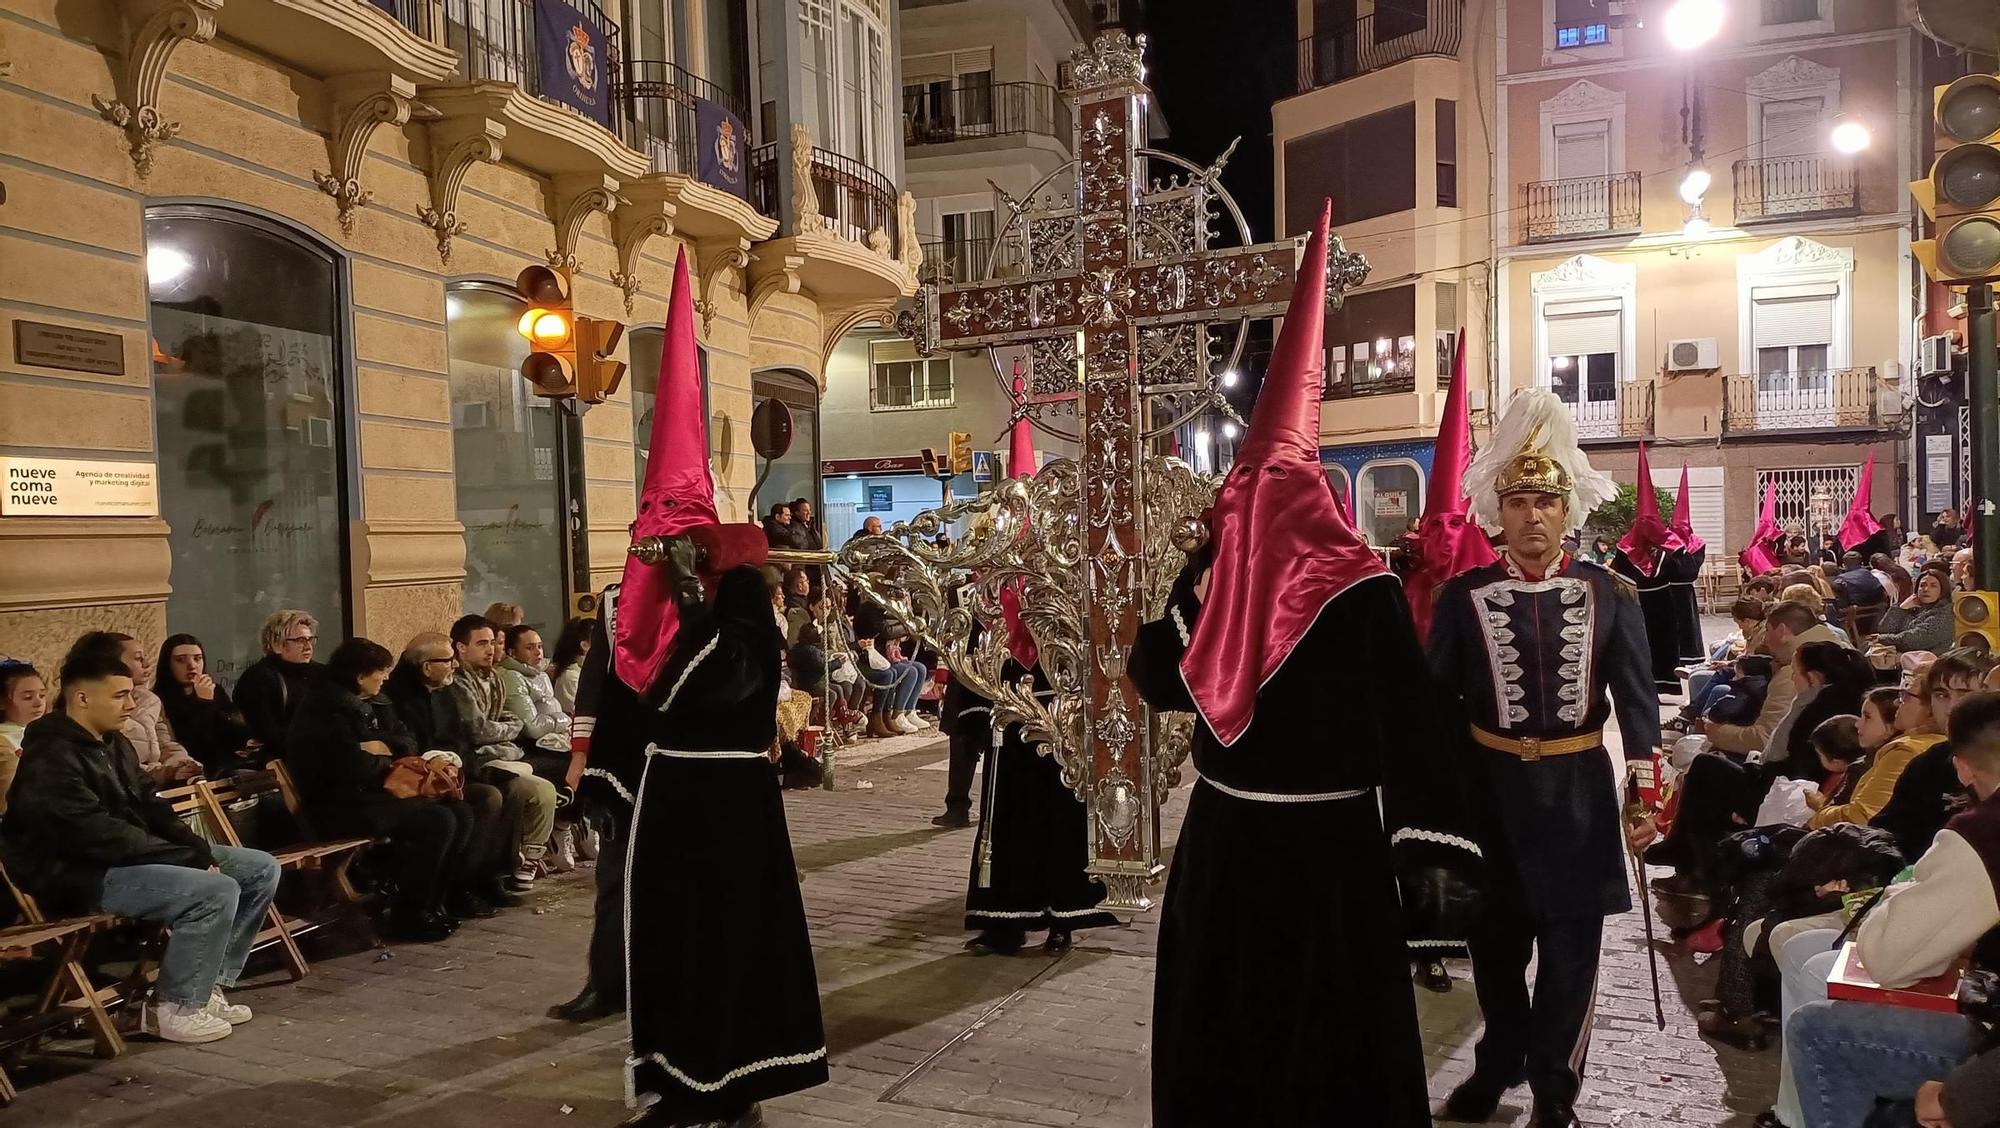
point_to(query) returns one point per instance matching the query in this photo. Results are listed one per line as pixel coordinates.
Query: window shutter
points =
(1583, 149)
(1784, 322)
(1580, 334)
(1705, 508)
(1791, 129)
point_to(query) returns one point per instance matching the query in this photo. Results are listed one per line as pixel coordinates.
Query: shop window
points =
(251, 407)
(643, 376)
(1389, 496)
(795, 474)
(1337, 481)
(509, 459)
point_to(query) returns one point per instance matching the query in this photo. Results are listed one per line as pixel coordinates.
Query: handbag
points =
(413, 777)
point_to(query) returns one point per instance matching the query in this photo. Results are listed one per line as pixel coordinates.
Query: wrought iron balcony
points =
(495, 41)
(1806, 400)
(1579, 208)
(659, 103)
(764, 178)
(1779, 188)
(1396, 379)
(1623, 410)
(965, 260)
(937, 115)
(855, 199)
(1383, 38)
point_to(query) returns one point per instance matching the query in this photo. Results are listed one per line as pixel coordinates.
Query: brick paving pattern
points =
(922, 1035)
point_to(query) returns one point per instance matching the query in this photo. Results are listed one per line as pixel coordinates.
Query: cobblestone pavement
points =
(922, 1035)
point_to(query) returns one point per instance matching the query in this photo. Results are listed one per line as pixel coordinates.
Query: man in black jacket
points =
(87, 831)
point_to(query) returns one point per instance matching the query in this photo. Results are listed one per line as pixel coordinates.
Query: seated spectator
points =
(897, 687)
(870, 527)
(1845, 1055)
(340, 753)
(420, 692)
(529, 694)
(199, 711)
(1924, 621)
(1945, 534)
(1929, 790)
(481, 700)
(24, 699)
(778, 526)
(1857, 590)
(270, 689)
(1832, 680)
(1787, 626)
(1895, 579)
(1764, 589)
(504, 615)
(1842, 757)
(566, 666)
(806, 532)
(1896, 727)
(1742, 696)
(1960, 571)
(161, 757)
(86, 832)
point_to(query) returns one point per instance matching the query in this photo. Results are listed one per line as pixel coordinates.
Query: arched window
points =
(643, 374)
(1337, 481)
(249, 357)
(796, 474)
(1389, 495)
(510, 459)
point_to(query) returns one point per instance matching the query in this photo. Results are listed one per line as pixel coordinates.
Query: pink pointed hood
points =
(1021, 441)
(1761, 555)
(1860, 524)
(1282, 547)
(678, 497)
(1448, 542)
(1649, 534)
(1682, 524)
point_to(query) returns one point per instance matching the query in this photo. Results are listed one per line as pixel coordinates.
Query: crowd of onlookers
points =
(1833, 768)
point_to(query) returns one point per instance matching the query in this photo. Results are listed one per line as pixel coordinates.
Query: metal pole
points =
(1983, 389)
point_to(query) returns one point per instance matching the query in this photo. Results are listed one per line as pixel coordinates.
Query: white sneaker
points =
(586, 842)
(524, 876)
(235, 1014)
(901, 722)
(175, 1022)
(562, 859)
(916, 719)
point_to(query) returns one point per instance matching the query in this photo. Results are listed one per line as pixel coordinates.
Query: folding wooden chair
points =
(52, 1011)
(70, 995)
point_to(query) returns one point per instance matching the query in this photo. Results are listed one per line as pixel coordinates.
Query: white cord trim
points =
(682, 680)
(633, 1098)
(1180, 625)
(1434, 943)
(710, 754)
(1418, 834)
(1285, 797)
(617, 784)
(733, 1075)
(1036, 914)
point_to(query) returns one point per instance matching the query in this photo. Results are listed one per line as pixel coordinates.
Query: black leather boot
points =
(1476, 1099)
(1553, 1114)
(589, 1005)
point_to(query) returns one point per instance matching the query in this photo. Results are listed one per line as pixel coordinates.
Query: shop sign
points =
(66, 347)
(69, 487)
(1392, 504)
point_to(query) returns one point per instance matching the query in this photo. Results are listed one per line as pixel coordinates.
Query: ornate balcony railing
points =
(1383, 38)
(854, 198)
(1795, 187)
(1553, 210)
(764, 179)
(418, 16)
(659, 101)
(965, 260)
(1622, 411)
(942, 114)
(1806, 400)
(495, 40)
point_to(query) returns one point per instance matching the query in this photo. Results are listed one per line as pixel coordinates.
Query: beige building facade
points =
(287, 234)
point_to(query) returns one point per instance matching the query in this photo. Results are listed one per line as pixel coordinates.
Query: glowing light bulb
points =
(1691, 23)
(1695, 184)
(1850, 137)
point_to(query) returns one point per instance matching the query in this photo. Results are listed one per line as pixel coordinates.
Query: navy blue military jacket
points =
(1550, 658)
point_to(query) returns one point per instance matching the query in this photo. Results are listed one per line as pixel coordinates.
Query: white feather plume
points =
(1535, 414)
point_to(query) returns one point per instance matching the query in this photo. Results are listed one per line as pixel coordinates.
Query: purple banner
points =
(571, 50)
(722, 150)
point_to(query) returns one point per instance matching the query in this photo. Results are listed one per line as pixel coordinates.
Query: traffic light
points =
(961, 452)
(1977, 615)
(931, 463)
(1962, 193)
(550, 327)
(597, 372)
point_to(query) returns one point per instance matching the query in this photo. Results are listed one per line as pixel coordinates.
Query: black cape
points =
(617, 720)
(1031, 854)
(723, 999)
(1660, 609)
(1684, 574)
(1282, 992)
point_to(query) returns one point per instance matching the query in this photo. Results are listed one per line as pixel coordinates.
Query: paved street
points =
(922, 1035)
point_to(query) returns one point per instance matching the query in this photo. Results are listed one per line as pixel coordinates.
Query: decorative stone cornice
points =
(642, 218)
(1797, 251)
(574, 196)
(717, 260)
(1584, 271)
(1793, 73)
(839, 323)
(136, 109)
(1583, 94)
(361, 104)
(456, 143)
(777, 274)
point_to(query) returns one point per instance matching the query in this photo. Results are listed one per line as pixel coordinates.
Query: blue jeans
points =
(896, 688)
(213, 917)
(1804, 962)
(1846, 1054)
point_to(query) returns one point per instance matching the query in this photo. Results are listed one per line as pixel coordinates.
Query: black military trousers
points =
(1544, 1037)
(607, 930)
(966, 750)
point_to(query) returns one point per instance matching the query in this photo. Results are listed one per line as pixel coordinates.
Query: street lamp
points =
(1697, 225)
(1850, 136)
(1694, 185)
(1691, 23)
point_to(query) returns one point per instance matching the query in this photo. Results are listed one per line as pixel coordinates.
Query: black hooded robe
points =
(1659, 606)
(723, 998)
(1684, 574)
(1031, 855)
(1282, 995)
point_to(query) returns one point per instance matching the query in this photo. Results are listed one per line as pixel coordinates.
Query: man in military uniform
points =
(1542, 648)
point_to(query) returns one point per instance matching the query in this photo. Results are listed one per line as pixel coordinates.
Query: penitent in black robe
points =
(1660, 607)
(724, 1002)
(1282, 995)
(1031, 855)
(1684, 573)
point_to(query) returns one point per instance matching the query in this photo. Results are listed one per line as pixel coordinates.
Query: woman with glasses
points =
(269, 691)
(1929, 791)
(1900, 721)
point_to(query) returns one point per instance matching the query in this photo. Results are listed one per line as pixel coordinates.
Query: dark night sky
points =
(1216, 66)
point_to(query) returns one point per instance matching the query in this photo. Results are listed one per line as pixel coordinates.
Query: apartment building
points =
(258, 270)
(1759, 332)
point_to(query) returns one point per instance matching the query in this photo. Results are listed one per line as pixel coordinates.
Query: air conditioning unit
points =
(472, 414)
(319, 431)
(1695, 354)
(1934, 356)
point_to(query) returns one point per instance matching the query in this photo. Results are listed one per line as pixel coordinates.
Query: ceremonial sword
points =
(1635, 811)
